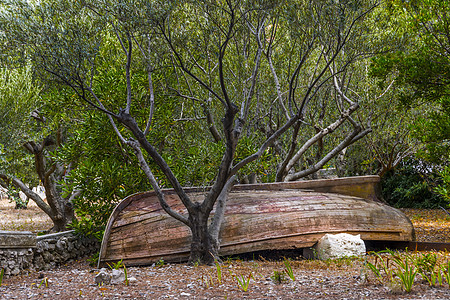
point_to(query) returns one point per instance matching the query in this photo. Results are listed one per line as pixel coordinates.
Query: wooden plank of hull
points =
(140, 232)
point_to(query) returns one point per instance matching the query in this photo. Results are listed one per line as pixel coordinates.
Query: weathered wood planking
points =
(262, 218)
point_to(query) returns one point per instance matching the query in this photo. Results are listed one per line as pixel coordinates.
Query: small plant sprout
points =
(426, 263)
(2, 272)
(244, 282)
(204, 281)
(446, 272)
(439, 277)
(374, 270)
(429, 269)
(278, 277)
(126, 275)
(288, 269)
(44, 281)
(116, 266)
(426, 266)
(101, 288)
(380, 265)
(219, 272)
(93, 260)
(160, 263)
(207, 280)
(406, 272)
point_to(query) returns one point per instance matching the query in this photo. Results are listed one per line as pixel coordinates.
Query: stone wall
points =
(21, 251)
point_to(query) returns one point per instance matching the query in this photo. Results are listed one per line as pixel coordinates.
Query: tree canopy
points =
(421, 73)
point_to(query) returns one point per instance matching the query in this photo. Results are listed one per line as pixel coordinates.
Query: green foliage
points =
(358, 161)
(44, 282)
(103, 170)
(427, 267)
(263, 168)
(434, 131)
(19, 97)
(160, 263)
(14, 196)
(117, 266)
(376, 269)
(444, 188)
(411, 185)
(416, 74)
(391, 267)
(88, 226)
(422, 75)
(426, 263)
(446, 271)
(93, 260)
(388, 273)
(127, 282)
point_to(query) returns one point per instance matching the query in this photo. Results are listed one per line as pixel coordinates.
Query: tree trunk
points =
(62, 216)
(62, 223)
(59, 209)
(204, 248)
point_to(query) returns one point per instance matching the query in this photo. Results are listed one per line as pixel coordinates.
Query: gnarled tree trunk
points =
(59, 209)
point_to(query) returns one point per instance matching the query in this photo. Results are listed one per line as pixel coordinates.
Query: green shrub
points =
(444, 188)
(412, 185)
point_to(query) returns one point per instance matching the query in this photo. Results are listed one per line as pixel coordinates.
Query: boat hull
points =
(139, 232)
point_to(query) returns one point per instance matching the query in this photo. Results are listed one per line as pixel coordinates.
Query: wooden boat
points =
(258, 217)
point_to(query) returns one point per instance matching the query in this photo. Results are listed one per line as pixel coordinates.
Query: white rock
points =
(103, 277)
(332, 246)
(118, 276)
(132, 280)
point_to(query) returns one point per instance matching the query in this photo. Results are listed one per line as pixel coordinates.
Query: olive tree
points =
(27, 141)
(18, 98)
(215, 58)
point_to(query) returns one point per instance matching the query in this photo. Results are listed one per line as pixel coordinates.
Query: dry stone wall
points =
(21, 251)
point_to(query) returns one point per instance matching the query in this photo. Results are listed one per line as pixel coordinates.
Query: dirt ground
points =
(340, 279)
(30, 219)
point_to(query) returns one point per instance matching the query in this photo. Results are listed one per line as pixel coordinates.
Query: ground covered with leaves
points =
(257, 278)
(234, 279)
(30, 219)
(431, 225)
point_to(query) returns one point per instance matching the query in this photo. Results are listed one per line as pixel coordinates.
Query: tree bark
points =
(204, 249)
(59, 209)
(221, 204)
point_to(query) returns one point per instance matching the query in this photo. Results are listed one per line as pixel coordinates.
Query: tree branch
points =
(127, 72)
(162, 200)
(29, 193)
(217, 221)
(345, 143)
(325, 131)
(264, 146)
(130, 122)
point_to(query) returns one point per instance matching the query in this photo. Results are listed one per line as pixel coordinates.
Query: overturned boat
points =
(274, 216)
